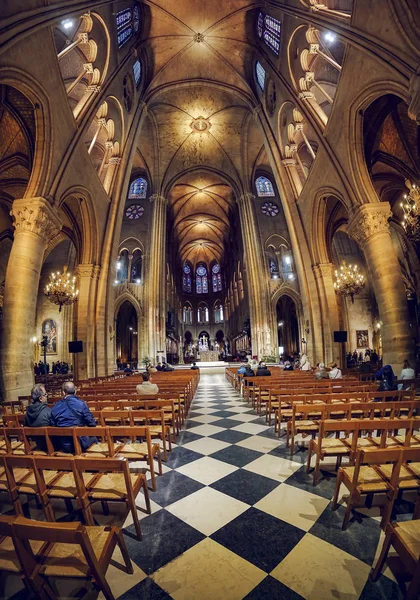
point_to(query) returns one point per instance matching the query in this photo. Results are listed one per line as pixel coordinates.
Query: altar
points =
(209, 356)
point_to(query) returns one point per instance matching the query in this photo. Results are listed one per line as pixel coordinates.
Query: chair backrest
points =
(15, 433)
(379, 456)
(30, 433)
(148, 416)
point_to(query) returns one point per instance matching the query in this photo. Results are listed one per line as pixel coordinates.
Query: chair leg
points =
(124, 551)
(384, 553)
(165, 456)
(414, 587)
(348, 512)
(159, 459)
(136, 521)
(337, 489)
(169, 441)
(308, 462)
(146, 495)
(102, 583)
(151, 464)
(105, 507)
(316, 470)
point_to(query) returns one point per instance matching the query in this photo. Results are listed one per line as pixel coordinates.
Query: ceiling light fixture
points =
(200, 125)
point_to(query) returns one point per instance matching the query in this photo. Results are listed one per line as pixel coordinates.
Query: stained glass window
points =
(201, 281)
(216, 278)
(270, 209)
(128, 22)
(186, 280)
(264, 187)
(135, 211)
(260, 74)
(269, 29)
(138, 189)
(218, 313)
(137, 72)
(187, 315)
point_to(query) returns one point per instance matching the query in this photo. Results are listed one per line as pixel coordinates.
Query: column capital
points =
(322, 270)
(247, 197)
(88, 270)
(368, 220)
(289, 162)
(35, 215)
(158, 199)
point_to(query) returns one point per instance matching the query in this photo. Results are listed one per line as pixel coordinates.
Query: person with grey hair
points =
(38, 414)
(71, 411)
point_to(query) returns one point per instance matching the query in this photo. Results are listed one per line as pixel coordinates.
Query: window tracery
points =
(218, 313)
(203, 314)
(201, 280)
(216, 278)
(260, 75)
(269, 30)
(137, 72)
(187, 314)
(264, 187)
(128, 22)
(186, 279)
(135, 211)
(138, 189)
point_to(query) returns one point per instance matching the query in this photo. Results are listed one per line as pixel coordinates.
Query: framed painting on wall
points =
(362, 338)
(49, 328)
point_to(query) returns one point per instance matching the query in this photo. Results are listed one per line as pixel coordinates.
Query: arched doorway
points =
(287, 325)
(127, 334)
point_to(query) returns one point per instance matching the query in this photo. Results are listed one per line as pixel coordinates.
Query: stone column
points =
(329, 312)
(156, 279)
(370, 229)
(35, 225)
(261, 333)
(85, 312)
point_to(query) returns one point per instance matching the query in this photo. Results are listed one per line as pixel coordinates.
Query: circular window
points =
(216, 268)
(187, 269)
(201, 271)
(134, 212)
(270, 209)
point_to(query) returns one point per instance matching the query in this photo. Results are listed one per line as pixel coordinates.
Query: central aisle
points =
(235, 517)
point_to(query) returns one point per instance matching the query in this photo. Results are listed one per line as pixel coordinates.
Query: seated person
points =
(335, 372)
(38, 414)
(241, 369)
(321, 372)
(249, 372)
(152, 369)
(71, 411)
(128, 370)
(194, 367)
(288, 366)
(263, 371)
(159, 367)
(147, 388)
(167, 368)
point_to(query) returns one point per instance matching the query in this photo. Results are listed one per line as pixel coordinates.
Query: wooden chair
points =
(305, 419)
(155, 420)
(366, 477)
(37, 441)
(69, 550)
(110, 480)
(326, 446)
(103, 448)
(137, 449)
(66, 485)
(404, 537)
(54, 434)
(114, 417)
(15, 441)
(10, 562)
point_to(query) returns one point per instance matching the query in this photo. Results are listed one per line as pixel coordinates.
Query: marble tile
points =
(271, 589)
(146, 590)
(187, 436)
(233, 437)
(207, 445)
(172, 487)
(259, 538)
(226, 423)
(205, 410)
(208, 572)
(164, 538)
(241, 408)
(250, 428)
(205, 429)
(276, 468)
(360, 539)
(382, 589)
(244, 417)
(207, 470)
(119, 580)
(316, 569)
(258, 443)
(302, 480)
(294, 506)
(203, 418)
(181, 456)
(207, 510)
(234, 455)
(245, 486)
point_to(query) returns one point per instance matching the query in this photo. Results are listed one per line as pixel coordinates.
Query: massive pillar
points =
(262, 339)
(369, 227)
(329, 312)
(155, 301)
(87, 280)
(35, 225)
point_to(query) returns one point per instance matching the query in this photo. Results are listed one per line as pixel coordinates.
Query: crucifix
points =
(203, 341)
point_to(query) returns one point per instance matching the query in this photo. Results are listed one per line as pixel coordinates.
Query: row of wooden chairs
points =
(133, 443)
(83, 480)
(38, 551)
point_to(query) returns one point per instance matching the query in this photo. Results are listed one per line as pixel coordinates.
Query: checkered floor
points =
(235, 517)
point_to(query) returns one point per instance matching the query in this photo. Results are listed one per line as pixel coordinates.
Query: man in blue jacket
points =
(70, 411)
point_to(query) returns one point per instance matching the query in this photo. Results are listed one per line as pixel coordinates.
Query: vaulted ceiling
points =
(201, 133)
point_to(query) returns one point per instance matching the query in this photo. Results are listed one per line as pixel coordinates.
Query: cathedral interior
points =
(211, 183)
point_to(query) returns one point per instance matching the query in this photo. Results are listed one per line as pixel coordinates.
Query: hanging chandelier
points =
(62, 289)
(411, 209)
(348, 281)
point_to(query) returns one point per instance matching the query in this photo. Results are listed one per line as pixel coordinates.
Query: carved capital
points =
(247, 197)
(88, 270)
(35, 215)
(323, 270)
(289, 162)
(158, 199)
(88, 67)
(306, 96)
(369, 220)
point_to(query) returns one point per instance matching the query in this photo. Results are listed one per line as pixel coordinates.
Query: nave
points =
(234, 516)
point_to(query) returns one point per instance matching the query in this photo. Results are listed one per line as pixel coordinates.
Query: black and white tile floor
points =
(234, 516)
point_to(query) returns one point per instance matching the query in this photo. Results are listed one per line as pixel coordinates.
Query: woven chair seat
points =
(65, 487)
(158, 429)
(307, 426)
(415, 468)
(333, 446)
(8, 559)
(101, 448)
(405, 479)
(286, 412)
(413, 442)
(111, 486)
(28, 486)
(132, 451)
(19, 475)
(409, 532)
(368, 442)
(3, 448)
(369, 479)
(68, 560)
